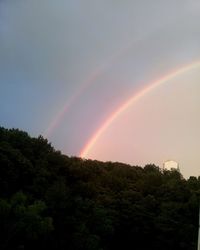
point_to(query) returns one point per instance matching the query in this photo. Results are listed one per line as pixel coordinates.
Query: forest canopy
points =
(51, 201)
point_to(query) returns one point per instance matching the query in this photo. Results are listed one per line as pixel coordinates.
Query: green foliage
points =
(51, 201)
(23, 222)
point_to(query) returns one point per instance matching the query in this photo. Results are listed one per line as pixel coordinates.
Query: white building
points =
(170, 165)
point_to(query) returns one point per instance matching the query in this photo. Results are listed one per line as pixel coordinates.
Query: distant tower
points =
(170, 165)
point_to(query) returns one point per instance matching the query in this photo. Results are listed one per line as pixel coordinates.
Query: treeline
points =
(51, 201)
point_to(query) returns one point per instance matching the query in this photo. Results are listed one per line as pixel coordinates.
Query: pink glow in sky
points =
(163, 123)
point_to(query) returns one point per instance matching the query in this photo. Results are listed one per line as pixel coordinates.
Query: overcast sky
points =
(88, 56)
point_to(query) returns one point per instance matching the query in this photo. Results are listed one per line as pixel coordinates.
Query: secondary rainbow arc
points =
(134, 98)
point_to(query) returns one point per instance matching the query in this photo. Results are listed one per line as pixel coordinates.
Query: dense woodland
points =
(51, 201)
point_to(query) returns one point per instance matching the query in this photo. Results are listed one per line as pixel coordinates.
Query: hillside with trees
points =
(51, 201)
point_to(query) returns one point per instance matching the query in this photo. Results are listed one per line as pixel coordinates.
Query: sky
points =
(67, 66)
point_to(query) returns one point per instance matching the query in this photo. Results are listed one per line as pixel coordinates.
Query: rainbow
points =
(60, 116)
(133, 99)
(98, 72)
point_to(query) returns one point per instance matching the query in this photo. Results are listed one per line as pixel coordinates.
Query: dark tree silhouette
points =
(51, 201)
